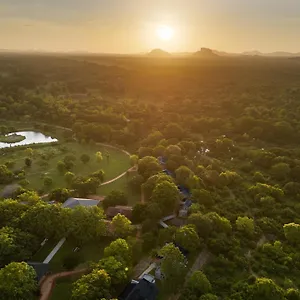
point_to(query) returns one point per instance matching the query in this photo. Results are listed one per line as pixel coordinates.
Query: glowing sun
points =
(165, 33)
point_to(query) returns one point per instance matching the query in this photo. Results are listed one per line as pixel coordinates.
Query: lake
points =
(31, 137)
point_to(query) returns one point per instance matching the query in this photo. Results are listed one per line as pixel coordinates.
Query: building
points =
(74, 202)
(123, 210)
(41, 269)
(144, 289)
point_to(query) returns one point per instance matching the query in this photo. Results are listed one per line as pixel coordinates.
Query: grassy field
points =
(63, 288)
(121, 185)
(88, 252)
(45, 159)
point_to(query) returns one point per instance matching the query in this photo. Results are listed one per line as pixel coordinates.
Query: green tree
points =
(166, 235)
(85, 158)
(86, 224)
(187, 238)
(120, 250)
(29, 152)
(139, 213)
(292, 233)
(183, 175)
(115, 198)
(281, 171)
(29, 197)
(135, 183)
(172, 150)
(61, 167)
(60, 195)
(203, 223)
(148, 166)
(95, 285)
(69, 178)
(266, 289)
(28, 162)
(10, 212)
(115, 269)
(203, 197)
(245, 225)
(173, 267)
(208, 297)
(150, 184)
(292, 294)
(17, 281)
(133, 160)
(199, 284)
(99, 157)
(48, 182)
(121, 226)
(6, 176)
(166, 194)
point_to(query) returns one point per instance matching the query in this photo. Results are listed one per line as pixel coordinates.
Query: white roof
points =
(73, 202)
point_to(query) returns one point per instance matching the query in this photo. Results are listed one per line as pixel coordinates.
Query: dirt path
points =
(48, 283)
(118, 177)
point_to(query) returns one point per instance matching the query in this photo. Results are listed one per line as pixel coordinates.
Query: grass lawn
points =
(44, 251)
(63, 288)
(87, 253)
(117, 164)
(121, 185)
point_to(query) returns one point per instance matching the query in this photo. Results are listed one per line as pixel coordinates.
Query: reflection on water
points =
(31, 137)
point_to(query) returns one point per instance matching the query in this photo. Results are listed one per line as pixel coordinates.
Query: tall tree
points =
(292, 233)
(173, 267)
(122, 226)
(166, 194)
(17, 281)
(187, 238)
(99, 157)
(85, 158)
(95, 285)
(120, 250)
(115, 269)
(199, 284)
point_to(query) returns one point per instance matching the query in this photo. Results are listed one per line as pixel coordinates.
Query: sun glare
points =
(165, 33)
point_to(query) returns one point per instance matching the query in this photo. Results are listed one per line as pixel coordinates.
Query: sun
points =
(165, 33)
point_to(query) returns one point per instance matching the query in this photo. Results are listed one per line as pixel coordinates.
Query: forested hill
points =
(257, 96)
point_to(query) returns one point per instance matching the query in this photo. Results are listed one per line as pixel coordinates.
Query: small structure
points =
(123, 210)
(144, 289)
(74, 202)
(41, 269)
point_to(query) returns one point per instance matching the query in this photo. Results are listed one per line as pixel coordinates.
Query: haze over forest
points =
(119, 26)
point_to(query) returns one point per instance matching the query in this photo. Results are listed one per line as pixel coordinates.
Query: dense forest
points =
(227, 130)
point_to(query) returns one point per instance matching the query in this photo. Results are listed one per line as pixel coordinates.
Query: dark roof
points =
(41, 269)
(123, 210)
(128, 289)
(188, 203)
(182, 250)
(144, 290)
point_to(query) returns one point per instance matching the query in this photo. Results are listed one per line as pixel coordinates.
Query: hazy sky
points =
(129, 26)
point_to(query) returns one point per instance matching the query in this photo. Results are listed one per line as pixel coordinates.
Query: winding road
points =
(48, 283)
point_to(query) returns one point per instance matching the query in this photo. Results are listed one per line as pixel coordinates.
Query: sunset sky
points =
(132, 26)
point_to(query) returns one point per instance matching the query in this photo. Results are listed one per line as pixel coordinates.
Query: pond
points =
(31, 137)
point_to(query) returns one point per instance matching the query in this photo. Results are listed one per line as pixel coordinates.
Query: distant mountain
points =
(159, 53)
(272, 54)
(206, 53)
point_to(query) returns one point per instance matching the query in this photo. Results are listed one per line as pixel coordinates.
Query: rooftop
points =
(73, 202)
(144, 290)
(41, 269)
